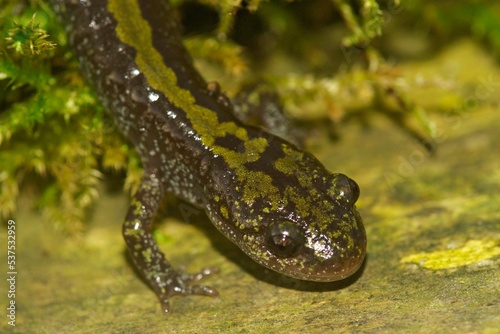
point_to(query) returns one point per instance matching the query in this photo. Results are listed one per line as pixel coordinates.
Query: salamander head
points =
(289, 214)
(325, 241)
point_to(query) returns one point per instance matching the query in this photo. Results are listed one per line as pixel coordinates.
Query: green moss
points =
(474, 251)
(54, 136)
(480, 19)
(29, 39)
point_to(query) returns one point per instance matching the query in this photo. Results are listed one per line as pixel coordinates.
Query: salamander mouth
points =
(331, 274)
(323, 272)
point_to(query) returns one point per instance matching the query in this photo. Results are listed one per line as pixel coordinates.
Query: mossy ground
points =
(411, 202)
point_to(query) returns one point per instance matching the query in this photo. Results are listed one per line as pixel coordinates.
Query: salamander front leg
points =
(149, 260)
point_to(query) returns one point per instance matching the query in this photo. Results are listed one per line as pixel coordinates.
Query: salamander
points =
(275, 201)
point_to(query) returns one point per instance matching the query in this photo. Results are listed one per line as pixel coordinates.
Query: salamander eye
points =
(354, 190)
(342, 187)
(284, 239)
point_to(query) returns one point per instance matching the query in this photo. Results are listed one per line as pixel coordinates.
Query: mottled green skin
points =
(276, 202)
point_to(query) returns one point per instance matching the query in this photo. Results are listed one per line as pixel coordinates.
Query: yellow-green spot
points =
(350, 241)
(336, 234)
(288, 164)
(137, 207)
(473, 251)
(302, 204)
(131, 233)
(224, 212)
(257, 185)
(146, 254)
